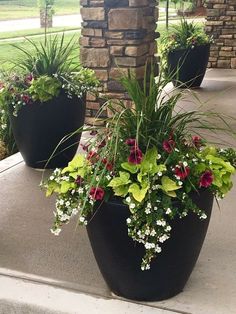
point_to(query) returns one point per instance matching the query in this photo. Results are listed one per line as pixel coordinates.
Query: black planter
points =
(187, 67)
(39, 127)
(119, 257)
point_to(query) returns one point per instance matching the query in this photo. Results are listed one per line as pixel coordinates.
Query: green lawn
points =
(8, 52)
(36, 31)
(15, 9)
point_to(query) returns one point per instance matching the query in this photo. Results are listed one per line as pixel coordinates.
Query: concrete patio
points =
(41, 273)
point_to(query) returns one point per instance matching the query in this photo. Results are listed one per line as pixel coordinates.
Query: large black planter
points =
(187, 67)
(39, 127)
(119, 257)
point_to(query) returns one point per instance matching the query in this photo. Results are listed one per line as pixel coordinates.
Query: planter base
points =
(119, 257)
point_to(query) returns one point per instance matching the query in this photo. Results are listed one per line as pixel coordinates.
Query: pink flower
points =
(135, 156)
(168, 145)
(206, 179)
(131, 142)
(79, 180)
(97, 193)
(181, 171)
(109, 165)
(26, 99)
(197, 141)
(92, 156)
(29, 78)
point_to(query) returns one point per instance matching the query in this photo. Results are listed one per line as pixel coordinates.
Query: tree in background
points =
(46, 12)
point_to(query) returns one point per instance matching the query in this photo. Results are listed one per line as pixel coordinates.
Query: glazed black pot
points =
(187, 67)
(119, 257)
(39, 127)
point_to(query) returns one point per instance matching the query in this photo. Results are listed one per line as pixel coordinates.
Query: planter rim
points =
(189, 48)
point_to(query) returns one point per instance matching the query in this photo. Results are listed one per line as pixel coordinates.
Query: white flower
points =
(68, 203)
(128, 220)
(128, 199)
(203, 216)
(153, 233)
(147, 211)
(56, 232)
(176, 149)
(108, 177)
(80, 190)
(168, 211)
(61, 202)
(158, 156)
(158, 249)
(132, 206)
(82, 219)
(168, 228)
(185, 164)
(180, 183)
(74, 211)
(51, 178)
(64, 217)
(155, 208)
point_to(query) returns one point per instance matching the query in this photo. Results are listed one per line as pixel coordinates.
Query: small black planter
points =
(119, 257)
(187, 67)
(39, 127)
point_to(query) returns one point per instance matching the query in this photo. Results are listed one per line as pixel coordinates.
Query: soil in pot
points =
(119, 257)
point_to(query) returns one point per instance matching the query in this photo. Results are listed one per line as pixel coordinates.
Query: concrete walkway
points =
(41, 273)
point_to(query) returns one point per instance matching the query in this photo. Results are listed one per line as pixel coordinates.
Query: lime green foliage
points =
(44, 88)
(148, 158)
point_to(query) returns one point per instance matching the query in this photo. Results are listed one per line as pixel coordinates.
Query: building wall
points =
(117, 35)
(221, 23)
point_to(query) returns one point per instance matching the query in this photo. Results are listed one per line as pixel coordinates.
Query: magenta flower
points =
(97, 193)
(206, 179)
(79, 180)
(197, 141)
(26, 99)
(168, 145)
(131, 142)
(181, 171)
(93, 132)
(135, 156)
(109, 165)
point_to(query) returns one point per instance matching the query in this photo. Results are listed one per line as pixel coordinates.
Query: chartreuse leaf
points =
(220, 161)
(121, 190)
(169, 186)
(130, 167)
(77, 162)
(137, 192)
(120, 185)
(123, 179)
(66, 186)
(149, 163)
(52, 187)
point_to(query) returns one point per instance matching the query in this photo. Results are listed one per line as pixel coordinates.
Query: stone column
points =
(221, 23)
(117, 35)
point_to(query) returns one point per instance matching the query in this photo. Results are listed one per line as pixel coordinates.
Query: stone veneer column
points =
(117, 35)
(221, 23)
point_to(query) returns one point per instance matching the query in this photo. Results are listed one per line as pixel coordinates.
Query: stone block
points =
(225, 64)
(95, 57)
(93, 14)
(116, 50)
(134, 51)
(124, 19)
(102, 75)
(138, 3)
(233, 63)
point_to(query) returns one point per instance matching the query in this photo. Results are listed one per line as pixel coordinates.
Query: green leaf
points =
(52, 187)
(169, 186)
(77, 162)
(66, 186)
(148, 165)
(137, 192)
(121, 190)
(130, 167)
(220, 161)
(123, 179)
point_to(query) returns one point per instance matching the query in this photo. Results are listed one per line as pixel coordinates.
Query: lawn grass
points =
(8, 52)
(36, 31)
(17, 9)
